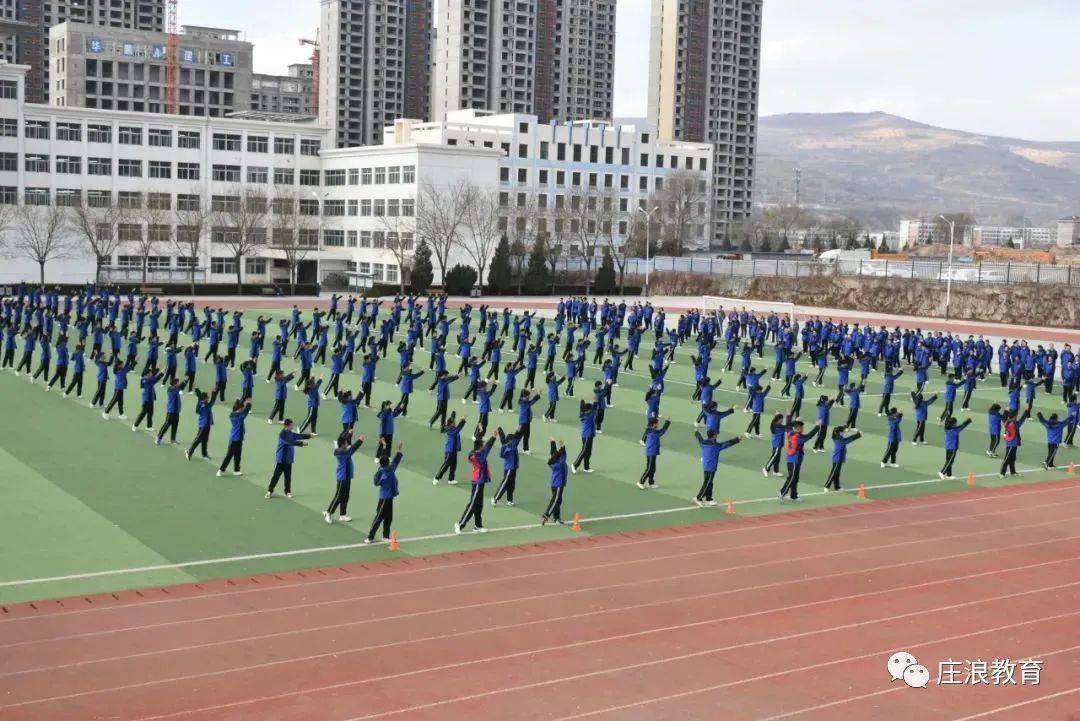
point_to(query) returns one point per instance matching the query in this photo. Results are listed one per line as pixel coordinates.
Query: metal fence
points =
(936, 271)
(153, 275)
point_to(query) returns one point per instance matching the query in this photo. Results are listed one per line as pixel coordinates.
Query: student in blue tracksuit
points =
(314, 400)
(824, 409)
(237, 418)
(892, 439)
(1055, 428)
(191, 358)
(204, 420)
(1072, 420)
(587, 417)
(78, 368)
(221, 378)
(839, 456)
(757, 407)
(710, 455)
(994, 417)
(481, 476)
(247, 379)
(172, 411)
(553, 384)
(888, 383)
(386, 415)
(281, 393)
(653, 433)
(344, 451)
(508, 451)
(854, 395)
(451, 428)
(284, 455)
(922, 410)
(525, 416)
(484, 391)
(953, 429)
(147, 386)
(441, 386)
(386, 481)
(778, 428)
(557, 470)
(120, 383)
(406, 386)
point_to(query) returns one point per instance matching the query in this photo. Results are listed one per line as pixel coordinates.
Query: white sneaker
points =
(326, 517)
(434, 481)
(133, 429)
(765, 472)
(712, 504)
(288, 495)
(479, 530)
(122, 417)
(105, 416)
(699, 503)
(573, 468)
(641, 486)
(894, 465)
(268, 495)
(882, 464)
(451, 483)
(237, 473)
(187, 455)
(589, 470)
(269, 421)
(457, 528)
(493, 502)
(344, 519)
(218, 474)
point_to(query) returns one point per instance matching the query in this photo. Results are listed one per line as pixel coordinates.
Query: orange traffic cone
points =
(576, 525)
(1072, 469)
(731, 506)
(971, 478)
(862, 492)
(394, 545)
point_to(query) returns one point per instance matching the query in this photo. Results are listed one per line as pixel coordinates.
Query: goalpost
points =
(713, 303)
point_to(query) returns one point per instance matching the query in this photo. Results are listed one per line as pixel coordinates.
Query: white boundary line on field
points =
(439, 536)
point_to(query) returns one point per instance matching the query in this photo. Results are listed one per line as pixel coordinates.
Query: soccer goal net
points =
(723, 305)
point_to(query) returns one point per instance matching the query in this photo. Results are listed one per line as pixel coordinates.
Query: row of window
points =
(225, 235)
(252, 266)
(392, 175)
(157, 137)
(581, 179)
(592, 154)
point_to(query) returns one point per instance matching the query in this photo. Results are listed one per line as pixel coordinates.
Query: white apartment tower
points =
(375, 66)
(551, 58)
(704, 62)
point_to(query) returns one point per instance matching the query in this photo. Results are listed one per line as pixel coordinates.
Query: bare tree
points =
(785, 220)
(683, 202)
(192, 219)
(524, 223)
(637, 231)
(399, 239)
(146, 241)
(7, 218)
(98, 228)
(483, 231)
(441, 216)
(289, 232)
(41, 235)
(587, 217)
(241, 218)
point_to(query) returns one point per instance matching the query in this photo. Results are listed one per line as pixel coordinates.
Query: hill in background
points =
(879, 167)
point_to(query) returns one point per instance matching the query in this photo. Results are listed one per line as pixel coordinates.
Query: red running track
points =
(783, 617)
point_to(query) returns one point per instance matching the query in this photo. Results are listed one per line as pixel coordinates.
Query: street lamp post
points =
(318, 241)
(648, 236)
(948, 280)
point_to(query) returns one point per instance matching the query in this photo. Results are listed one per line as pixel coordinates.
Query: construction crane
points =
(314, 71)
(172, 59)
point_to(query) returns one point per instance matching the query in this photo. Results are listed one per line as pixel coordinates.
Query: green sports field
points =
(90, 506)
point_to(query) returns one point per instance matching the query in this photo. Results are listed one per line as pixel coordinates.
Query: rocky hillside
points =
(880, 167)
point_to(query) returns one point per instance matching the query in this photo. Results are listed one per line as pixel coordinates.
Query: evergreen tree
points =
(605, 276)
(537, 275)
(501, 274)
(423, 274)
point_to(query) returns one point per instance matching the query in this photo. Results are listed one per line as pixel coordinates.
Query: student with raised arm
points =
(710, 459)
(892, 439)
(314, 399)
(839, 456)
(508, 451)
(204, 420)
(796, 442)
(284, 455)
(237, 420)
(344, 450)
(953, 429)
(653, 433)
(557, 479)
(481, 476)
(1055, 428)
(922, 411)
(386, 481)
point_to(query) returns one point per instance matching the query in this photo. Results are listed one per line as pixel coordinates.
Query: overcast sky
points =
(1004, 67)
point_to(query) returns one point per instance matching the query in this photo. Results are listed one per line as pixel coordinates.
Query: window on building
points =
(334, 238)
(393, 175)
(36, 196)
(160, 169)
(35, 163)
(69, 131)
(225, 203)
(187, 202)
(9, 161)
(159, 138)
(130, 135)
(258, 144)
(9, 127)
(99, 133)
(365, 208)
(353, 208)
(255, 266)
(408, 207)
(129, 232)
(309, 206)
(408, 174)
(309, 177)
(504, 174)
(221, 234)
(222, 266)
(226, 173)
(308, 237)
(365, 176)
(333, 178)
(226, 141)
(284, 176)
(37, 129)
(380, 176)
(69, 164)
(351, 237)
(284, 146)
(159, 234)
(9, 90)
(129, 168)
(68, 197)
(189, 139)
(354, 176)
(130, 199)
(187, 171)
(158, 201)
(309, 146)
(99, 198)
(333, 208)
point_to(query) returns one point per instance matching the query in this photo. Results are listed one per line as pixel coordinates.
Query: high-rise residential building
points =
(375, 66)
(119, 69)
(704, 62)
(27, 23)
(291, 94)
(551, 58)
